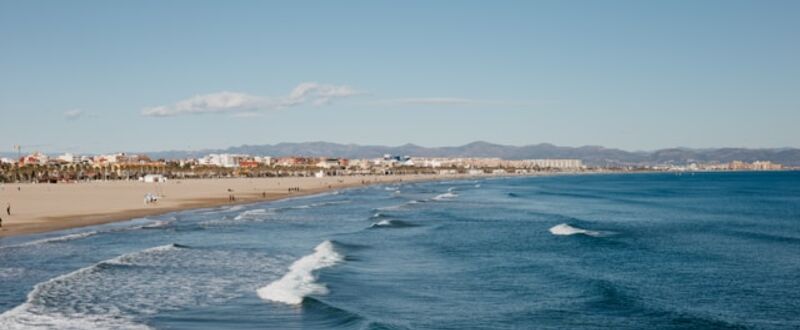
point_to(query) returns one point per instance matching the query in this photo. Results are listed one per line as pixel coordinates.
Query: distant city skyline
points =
(94, 76)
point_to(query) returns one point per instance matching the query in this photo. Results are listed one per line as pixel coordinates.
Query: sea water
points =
(709, 250)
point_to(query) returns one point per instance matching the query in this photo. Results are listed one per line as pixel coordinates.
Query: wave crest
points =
(445, 196)
(301, 281)
(567, 230)
(251, 214)
(386, 223)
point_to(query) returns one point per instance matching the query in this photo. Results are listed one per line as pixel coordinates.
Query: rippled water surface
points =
(711, 250)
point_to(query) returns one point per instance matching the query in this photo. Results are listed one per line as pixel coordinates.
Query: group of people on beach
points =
(8, 212)
(294, 189)
(150, 198)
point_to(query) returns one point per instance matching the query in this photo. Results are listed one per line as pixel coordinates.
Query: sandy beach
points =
(37, 208)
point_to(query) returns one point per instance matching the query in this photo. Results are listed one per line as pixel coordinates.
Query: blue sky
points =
(103, 76)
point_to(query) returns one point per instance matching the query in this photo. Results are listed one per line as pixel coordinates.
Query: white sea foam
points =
(390, 207)
(11, 272)
(312, 205)
(300, 281)
(567, 230)
(158, 224)
(235, 208)
(20, 318)
(388, 223)
(251, 214)
(57, 239)
(382, 223)
(36, 312)
(111, 293)
(328, 203)
(65, 238)
(445, 196)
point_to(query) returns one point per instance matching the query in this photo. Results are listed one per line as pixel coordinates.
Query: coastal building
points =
(265, 160)
(359, 164)
(221, 160)
(120, 157)
(562, 164)
(427, 162)
(248, 164)
(296, 161)
(738, 165)
(328, 163)
(67, 158)
(766, 166)
(153, 178)
(554, 163)
(36, 158)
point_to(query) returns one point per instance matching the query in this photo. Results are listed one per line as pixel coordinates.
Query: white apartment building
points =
(221, 160)
(554, 163)
(67, 158)
(266, 160)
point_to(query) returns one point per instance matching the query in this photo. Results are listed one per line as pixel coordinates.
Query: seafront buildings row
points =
(39, 167)
(242, 160)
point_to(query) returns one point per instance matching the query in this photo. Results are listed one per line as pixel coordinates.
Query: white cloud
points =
(209, 103)
(317, 94)
(430, 101)
(444, 101)
(231, 102)
(73, 114)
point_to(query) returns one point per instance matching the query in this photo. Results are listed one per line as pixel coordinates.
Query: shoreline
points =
(44, 208)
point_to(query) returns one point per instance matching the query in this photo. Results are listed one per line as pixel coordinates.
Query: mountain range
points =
(590, 155)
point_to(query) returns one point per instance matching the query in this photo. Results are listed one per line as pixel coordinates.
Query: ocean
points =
(634, 251)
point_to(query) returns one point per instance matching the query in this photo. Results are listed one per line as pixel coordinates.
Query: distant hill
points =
(591, 155)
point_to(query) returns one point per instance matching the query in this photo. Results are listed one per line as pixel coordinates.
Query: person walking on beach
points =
(8, 208)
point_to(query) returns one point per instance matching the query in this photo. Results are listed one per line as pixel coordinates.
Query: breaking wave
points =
(158, 224)
(320, 204)
(234, 208)
(390, 224)
(301, 281)
(85, 234)
(446, 196)
(252, 214)
(65, 238)
(567, 230)
(42, 309)
(57, 239)
(25, 320)
(115, 293)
